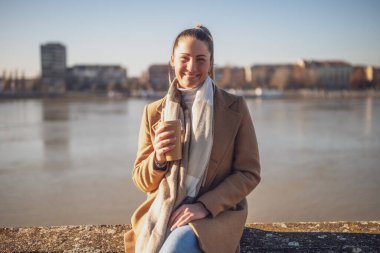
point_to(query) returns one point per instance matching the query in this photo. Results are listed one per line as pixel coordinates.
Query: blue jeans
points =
(181, 240)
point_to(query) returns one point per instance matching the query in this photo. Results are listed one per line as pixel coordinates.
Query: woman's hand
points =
(186, 213)
(163, 142)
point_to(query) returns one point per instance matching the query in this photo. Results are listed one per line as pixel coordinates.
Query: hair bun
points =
(204, 29)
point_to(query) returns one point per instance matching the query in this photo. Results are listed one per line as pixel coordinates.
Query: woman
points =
(196, 204)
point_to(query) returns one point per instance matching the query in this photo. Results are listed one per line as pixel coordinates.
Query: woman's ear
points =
(172, 61)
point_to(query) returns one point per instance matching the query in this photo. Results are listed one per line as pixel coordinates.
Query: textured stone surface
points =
(312, 237)
(275, 237)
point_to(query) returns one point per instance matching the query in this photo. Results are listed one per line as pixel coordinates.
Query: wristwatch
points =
(160, 166)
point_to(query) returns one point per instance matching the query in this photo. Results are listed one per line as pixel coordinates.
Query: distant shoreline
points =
(332, 93)
(275, 94)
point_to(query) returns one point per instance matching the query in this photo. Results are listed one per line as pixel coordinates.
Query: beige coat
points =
(233, 172)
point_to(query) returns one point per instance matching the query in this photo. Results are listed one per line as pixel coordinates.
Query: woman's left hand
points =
(186, 213)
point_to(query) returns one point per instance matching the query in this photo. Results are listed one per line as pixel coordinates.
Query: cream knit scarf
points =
(184, 178)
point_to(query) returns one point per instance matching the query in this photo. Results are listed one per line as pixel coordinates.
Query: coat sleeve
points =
(245, 171)
(145, 176)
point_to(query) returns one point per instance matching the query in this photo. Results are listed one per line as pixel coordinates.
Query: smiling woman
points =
(197, 203)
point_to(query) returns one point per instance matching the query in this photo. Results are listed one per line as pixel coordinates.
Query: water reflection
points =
(56, 134)
(319, 160)
(368, 116)
(20, 142)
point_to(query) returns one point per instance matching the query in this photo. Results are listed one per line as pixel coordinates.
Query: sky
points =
(136, 34)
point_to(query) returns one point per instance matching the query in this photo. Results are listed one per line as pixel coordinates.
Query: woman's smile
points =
(191, 77)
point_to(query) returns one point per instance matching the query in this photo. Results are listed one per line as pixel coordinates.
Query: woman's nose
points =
(192, 66)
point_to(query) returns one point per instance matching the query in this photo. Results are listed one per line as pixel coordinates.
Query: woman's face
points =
(191, 62)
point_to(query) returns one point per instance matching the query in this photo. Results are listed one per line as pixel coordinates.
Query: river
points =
(69, 161)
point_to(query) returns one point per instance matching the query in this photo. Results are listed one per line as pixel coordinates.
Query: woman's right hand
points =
(163, 142)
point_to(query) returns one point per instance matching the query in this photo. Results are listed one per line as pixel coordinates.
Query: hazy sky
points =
(138, 33)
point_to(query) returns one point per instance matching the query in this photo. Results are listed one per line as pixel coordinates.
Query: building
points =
(96, 77)
(260, 75)
(230, 77)
(326, 74)
(158, 77)
(53, 66)
(376, 78)
(277, 76)
(361, 77)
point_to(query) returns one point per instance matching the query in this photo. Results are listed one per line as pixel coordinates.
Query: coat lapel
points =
(158, 112)
(226, 123)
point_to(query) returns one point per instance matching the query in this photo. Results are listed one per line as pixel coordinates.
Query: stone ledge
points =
(257, 237)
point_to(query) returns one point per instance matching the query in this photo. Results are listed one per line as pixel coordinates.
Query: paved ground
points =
(275, 237)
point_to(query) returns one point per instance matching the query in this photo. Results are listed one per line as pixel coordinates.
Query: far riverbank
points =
(266, 94)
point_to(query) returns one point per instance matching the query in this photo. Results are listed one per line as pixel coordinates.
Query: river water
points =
(69, 161)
